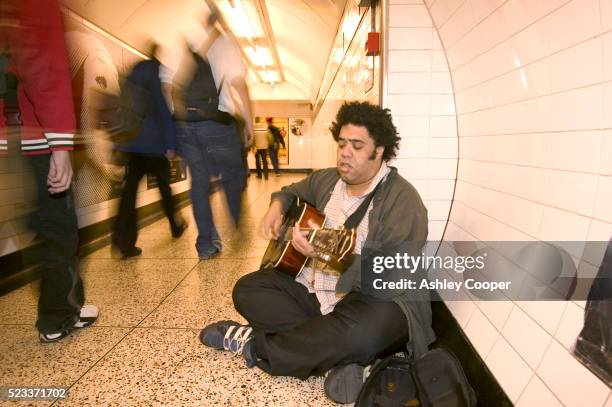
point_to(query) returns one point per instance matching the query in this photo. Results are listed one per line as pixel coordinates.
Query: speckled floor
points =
(144, 348)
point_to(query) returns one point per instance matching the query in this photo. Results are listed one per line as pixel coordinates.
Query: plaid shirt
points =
(320, 278)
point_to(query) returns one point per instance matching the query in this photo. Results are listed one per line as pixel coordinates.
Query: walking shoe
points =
(87, 316)
(118, 253)
(209, 254)
(50, 338)
(180, 229)
(343, 384)
(231, 336)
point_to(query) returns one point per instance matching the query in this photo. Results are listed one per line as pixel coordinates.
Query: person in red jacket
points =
(31, 32)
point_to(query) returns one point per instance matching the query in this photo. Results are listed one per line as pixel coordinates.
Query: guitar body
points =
(280, 254)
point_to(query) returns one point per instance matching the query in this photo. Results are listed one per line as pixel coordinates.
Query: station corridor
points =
(144, 348)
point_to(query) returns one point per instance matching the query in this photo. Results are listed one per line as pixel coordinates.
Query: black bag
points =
(201, 97)
(122, 115)
(435, 379)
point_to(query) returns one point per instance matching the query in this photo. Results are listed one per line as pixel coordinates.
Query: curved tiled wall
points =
(532, 83)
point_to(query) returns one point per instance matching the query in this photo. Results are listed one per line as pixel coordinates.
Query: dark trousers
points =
(55, 221)
(273, 151)
(294, 339)
(261, 160)
(212, 149)
(125, 232)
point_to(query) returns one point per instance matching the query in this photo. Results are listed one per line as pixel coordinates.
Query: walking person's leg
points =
(125, 231)
(160, 167)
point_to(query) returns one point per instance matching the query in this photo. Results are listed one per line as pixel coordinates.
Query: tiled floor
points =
(144, 349)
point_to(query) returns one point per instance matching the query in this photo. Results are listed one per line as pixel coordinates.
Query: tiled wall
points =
(532, 85)
(420, 96)
(347, 84)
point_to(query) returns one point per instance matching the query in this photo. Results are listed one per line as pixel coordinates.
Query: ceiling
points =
(303, 31)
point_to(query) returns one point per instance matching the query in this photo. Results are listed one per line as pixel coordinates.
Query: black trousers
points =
(55, 222)
(294, 339)
(125, 231)
(261, 160)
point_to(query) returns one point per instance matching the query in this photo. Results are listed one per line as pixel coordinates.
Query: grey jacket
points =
(397, 216)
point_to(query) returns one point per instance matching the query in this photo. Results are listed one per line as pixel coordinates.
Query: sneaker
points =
(343, 384)
(89, 315)
(50, 338)
(209, 254)
(231, 336)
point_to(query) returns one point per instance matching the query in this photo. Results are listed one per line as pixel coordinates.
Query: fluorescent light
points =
(243, 19)
(270, 76)
(260, 56)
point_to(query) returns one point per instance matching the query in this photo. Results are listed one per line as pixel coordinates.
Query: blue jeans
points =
(211, 149)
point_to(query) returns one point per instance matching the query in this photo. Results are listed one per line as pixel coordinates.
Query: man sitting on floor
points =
(321, 321)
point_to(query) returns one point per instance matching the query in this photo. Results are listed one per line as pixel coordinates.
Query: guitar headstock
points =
(332, 246)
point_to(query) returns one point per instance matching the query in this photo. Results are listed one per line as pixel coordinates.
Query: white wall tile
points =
(441, 189)
(570, 326)
(583, 187)
(410, 60)
(558, 225)
(410, 104)
(445, 126)
(409, 82)
(496, 311)
(607, 115)
(526, 337)
(605, 164)
(462, 311)
(439, 12)
(606, 14)
(546, 313)
(438, 210)
(565, 73)
(509, 369)
(438, 62)
(603, 201)
(412, 126)
(409, 16)
(443, 147)
(573, 110)
(442, 168)
(436, 229)
(410, 38)
(537, 394)
(441, 83)
(482, 333)
(442, 105)
(564, 375)
(412, 168)
(406, 2)
(414, 147)
(607, 55)
(458, 24)
(573, 23)
(576, 151)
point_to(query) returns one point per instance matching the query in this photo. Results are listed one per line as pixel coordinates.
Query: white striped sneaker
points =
(88, 315)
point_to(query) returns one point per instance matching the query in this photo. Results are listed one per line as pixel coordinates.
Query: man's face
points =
(358, 158)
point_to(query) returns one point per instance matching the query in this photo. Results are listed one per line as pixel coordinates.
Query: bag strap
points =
(356, 217)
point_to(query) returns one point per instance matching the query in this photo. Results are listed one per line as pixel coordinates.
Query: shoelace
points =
(238, 339)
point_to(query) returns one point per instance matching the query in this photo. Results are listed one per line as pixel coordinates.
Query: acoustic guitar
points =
(332, 246)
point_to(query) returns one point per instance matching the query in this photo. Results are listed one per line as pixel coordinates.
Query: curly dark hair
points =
(376, 120)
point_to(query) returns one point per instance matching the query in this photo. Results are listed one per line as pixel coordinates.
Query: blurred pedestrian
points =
(147, 153)
(275, 140)
(209, 117)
